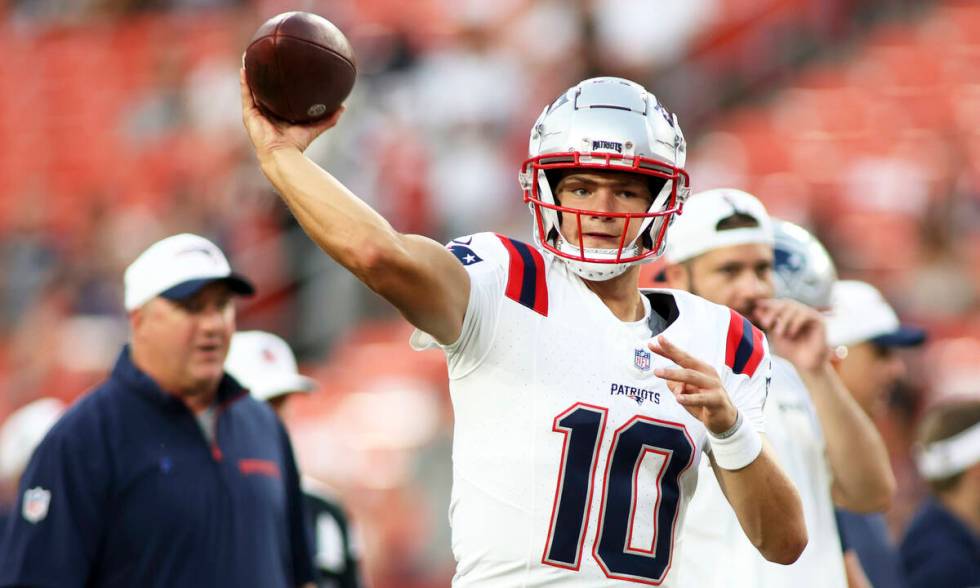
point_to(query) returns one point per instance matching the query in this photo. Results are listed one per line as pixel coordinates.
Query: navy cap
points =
(184, 290)
(904, 336)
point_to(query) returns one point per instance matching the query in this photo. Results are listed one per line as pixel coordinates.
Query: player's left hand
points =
(696, 386)
(795, 331)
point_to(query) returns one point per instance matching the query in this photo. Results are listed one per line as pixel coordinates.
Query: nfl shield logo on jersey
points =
(641, 359)
(36, 501)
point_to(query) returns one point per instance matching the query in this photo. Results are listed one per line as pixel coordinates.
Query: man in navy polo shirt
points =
(164, 474)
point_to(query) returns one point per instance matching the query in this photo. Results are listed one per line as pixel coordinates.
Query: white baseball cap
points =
(264, 363)
(695, 231)
(178, 267)
(23, 431)
(859, 313)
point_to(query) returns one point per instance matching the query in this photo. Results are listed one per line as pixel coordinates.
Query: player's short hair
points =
(943, 422)
(738, 220)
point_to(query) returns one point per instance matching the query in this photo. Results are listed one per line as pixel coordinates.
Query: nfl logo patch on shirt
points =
(36, 501)
(641, 359)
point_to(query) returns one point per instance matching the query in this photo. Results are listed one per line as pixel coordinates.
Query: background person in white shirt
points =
(722, 249)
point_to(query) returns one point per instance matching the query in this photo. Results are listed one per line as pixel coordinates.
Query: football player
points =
(802, 270)
(722, 248)
(582, 406)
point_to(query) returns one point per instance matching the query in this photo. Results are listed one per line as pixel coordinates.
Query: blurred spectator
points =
(865, 333)
(465, 127)
(942, 544)
(29, 255)
(635, 37)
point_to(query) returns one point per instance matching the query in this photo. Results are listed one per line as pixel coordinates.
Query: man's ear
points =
(136, 318)
(677, 276)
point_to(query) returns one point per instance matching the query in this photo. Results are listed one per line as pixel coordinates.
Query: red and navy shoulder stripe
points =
(525, 279)
(744, 349)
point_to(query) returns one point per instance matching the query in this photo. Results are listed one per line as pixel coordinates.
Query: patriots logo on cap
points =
(790, 260)
(36, 502)
(464, 254)
(204, 250)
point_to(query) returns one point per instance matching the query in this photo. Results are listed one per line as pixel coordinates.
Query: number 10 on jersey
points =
(583, 426)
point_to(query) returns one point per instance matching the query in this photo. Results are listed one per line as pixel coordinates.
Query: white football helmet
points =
(802, 269)
(608, 124)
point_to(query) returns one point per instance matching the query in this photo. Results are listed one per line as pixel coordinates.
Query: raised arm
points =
(764, 499)
(863, 478)
(416, 274)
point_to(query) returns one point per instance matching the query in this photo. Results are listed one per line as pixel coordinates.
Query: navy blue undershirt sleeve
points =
(844, 545)
(60, 546)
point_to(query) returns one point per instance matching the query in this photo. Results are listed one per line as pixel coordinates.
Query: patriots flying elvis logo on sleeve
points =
(463, 253)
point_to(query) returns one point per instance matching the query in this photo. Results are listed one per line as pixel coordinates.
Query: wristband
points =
(737, 447)
(731, 430)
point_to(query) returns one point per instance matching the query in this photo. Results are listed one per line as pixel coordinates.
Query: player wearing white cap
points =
(722, 248)
(264, 363)
(866, 334)
(802, 269)
(577, 434)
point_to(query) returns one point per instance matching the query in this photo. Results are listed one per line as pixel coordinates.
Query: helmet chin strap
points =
(596, 272)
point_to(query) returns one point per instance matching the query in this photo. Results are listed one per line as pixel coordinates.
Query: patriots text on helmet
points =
(604, 125)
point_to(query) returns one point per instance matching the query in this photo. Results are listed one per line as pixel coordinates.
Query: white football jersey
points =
(712, 534)
(572, 462)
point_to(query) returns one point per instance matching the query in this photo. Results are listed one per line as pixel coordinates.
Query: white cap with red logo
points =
(264, 363)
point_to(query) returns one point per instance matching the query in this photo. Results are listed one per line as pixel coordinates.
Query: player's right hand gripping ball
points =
(300, 67)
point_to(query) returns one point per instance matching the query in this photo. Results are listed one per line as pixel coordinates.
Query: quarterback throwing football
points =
(583, 405)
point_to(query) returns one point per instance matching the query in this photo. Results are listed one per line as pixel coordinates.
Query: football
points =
(300, 67)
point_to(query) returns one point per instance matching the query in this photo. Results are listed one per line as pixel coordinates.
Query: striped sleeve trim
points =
(743, 349)
(525, 278)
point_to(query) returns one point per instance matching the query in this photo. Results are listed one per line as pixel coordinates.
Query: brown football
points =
(299, 66)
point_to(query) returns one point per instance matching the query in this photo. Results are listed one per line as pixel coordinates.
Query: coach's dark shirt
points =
(126, 491)
(939, 550)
